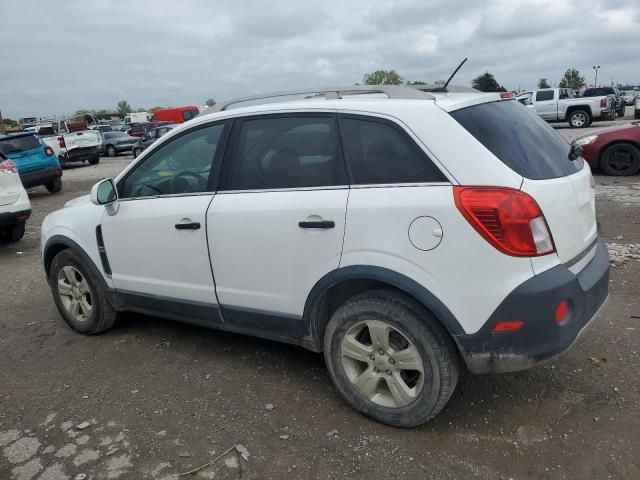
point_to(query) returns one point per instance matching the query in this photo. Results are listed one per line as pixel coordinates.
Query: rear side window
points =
(286, 152)
(380, 153)
(519, 138)
(598, 92)
(19, 144)
(189, 114)
(544, 95)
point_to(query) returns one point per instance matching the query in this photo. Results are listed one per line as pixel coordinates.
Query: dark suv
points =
(139, 129)
(609, 91)
(148, 138)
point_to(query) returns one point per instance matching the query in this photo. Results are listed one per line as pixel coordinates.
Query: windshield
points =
(19, 144)
(519, 138)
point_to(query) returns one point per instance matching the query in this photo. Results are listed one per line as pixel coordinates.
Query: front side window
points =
(379, 153)
(181, 166)
(189, 114)
(286, 152)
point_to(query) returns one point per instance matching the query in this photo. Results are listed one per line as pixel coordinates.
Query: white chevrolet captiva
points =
(405, 233)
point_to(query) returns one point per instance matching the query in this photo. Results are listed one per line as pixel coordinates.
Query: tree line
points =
(485, 82)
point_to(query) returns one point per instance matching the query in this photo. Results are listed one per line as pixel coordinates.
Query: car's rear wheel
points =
(95, 160)
(12, 233)
(55, 185)
(136, 151)
(578, 119)
(111, 151)
(80, 298)
(390, 358)
(620, 159)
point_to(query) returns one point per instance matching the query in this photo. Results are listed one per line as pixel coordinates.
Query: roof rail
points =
(391, 91)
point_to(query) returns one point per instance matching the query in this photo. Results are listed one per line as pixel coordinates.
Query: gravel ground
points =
(159, 398)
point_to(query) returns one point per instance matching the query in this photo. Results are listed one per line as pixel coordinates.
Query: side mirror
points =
(104, 193)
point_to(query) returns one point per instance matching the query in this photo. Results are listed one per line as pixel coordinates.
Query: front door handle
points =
(317, 224)
(187, 226)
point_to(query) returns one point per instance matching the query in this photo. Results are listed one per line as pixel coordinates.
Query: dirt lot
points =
(163, 397)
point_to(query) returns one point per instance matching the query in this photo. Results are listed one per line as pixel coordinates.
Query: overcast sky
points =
(61, 56)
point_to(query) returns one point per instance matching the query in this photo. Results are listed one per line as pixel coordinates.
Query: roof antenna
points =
(444, 87)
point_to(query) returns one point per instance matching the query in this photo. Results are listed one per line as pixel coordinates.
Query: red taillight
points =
(562, 311)
(508, 326)
(61, 142)
(507, 95)
(48, 151)
(8, 167)
(508, 219)
(603, 102)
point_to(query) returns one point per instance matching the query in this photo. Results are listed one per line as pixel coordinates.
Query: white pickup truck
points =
(561, 105)
(72, 141)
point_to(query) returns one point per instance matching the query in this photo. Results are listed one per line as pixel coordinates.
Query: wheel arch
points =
(339, 285)
(57, 244)
(573, 108)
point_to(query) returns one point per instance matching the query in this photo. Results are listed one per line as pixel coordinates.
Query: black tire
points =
(621, 159)
(440, 357)
(621, 112)
(55, 185)
(103, 316)
(579, 119)
(136, 152)
(95, 160)
(12, 233)
(111, 151)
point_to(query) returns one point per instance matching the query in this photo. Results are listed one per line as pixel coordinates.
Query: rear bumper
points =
(40, 177)
(82, 154)
(8, 219)
(535, 302)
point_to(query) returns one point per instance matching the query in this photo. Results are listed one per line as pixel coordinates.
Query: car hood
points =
(602, 131)
(77, 202)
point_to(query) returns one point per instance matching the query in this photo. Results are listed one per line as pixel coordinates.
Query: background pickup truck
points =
(72, 141)
(560, 105)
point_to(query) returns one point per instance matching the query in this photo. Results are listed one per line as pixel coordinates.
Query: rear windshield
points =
(519, 138)
(19, 144)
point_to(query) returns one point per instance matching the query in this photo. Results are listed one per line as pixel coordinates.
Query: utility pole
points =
(596, 68)
(1, 124)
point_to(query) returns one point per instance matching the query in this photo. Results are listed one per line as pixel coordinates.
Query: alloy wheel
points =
(578, 119)
(382, 363)
(75, 293)
(620, 159)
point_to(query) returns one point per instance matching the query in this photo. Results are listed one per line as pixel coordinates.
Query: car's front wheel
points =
(136, 151)
(390, 358)
(80, 298)
(620, 159)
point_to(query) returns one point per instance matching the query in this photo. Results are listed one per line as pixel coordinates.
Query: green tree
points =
(382, 77)
(123, 107)
(141, 109)
(543, 83)
(210, 102)
(572, 79)
(10, 122)
(487, 83)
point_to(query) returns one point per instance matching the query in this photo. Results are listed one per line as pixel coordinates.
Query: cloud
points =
(58, 57)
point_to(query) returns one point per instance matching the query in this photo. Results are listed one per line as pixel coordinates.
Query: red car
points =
(176, 115)
(615, 150)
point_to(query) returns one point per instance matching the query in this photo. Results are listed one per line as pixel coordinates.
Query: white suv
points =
(405, 236)
(15, 207)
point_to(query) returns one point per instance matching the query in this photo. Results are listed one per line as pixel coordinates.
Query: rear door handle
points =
(317, 224)
(187, 226)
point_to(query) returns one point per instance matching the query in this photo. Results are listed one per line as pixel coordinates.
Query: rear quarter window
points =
(519, 138)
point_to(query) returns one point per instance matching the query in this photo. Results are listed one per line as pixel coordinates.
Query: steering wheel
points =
(180, 184)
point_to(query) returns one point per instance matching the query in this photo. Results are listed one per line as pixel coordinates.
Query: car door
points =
(156, 243)
(546, 105)
(276, 225)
